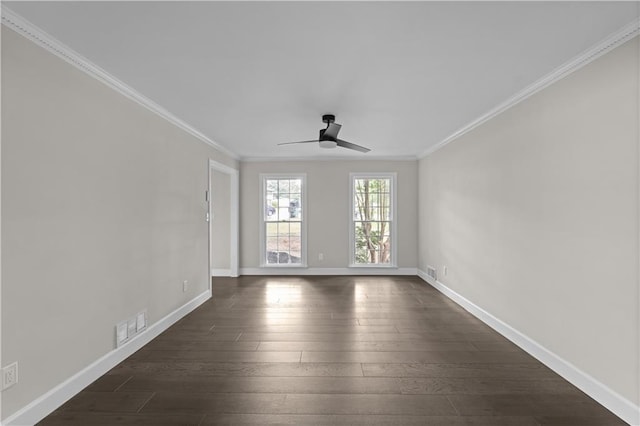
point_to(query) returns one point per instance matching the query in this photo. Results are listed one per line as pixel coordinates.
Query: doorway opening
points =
(223, 199)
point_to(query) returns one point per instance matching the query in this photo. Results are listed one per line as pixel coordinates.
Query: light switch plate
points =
(121, 333)
(131, 327)
(9, 375)
(141, 321)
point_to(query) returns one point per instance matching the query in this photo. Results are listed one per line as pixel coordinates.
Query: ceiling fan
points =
(329, 136)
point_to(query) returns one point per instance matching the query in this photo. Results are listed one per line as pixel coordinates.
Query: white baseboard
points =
(220, 272)
(50, 401)
(328, 271)
(614, 402)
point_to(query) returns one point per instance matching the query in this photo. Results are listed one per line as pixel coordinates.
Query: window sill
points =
(284, 265)
(372, 265)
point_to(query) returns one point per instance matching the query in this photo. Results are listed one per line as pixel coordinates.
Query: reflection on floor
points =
(330, 351)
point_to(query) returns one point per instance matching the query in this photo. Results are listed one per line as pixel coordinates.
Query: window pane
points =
(272, 249)
(295, 249)
(283, 244)
(282, 220)
(283, 186)
(270, 211)
(283, 228)
(371, 220)
(295, 207)
(295, 229)
(271, 186)
(272, 229)
(372, 242)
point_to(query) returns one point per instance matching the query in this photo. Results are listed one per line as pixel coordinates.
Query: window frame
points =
(263, 222)
(393, 228)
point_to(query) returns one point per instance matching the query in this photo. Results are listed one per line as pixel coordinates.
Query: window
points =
(283, 228)
(373, 223)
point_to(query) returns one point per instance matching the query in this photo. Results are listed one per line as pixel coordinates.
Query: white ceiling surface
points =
(400, 77)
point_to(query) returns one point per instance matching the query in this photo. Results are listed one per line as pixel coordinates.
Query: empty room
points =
(320, 213)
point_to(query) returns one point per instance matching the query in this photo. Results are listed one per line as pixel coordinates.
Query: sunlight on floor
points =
(278, 295)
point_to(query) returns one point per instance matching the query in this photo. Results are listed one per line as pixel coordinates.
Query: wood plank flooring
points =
(330, 351)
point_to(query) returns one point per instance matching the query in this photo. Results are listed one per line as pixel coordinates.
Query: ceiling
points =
(399, 76)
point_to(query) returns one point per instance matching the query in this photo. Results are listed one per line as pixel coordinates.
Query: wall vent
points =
(431, 271)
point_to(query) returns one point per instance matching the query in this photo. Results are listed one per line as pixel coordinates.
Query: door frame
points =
(234, 212)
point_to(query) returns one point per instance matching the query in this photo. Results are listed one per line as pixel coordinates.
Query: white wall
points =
(535, 214)
(1, 363)
(221, 221)
(103, 215)
(328, 208)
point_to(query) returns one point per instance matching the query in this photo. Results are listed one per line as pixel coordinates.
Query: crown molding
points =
(321, 158)
(20, 25)
(616, 39)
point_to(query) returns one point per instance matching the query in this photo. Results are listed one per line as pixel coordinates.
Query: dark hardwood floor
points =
(330, 351)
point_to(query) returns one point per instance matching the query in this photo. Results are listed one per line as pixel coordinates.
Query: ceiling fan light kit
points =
(328, 144)
(329, 137)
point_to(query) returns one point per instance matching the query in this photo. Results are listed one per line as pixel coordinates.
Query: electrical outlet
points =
(185, 285)
(445, 271)
(321, 257)
(9, 375)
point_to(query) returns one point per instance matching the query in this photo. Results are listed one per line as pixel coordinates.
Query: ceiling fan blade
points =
(289, 143)
(350, 145)
(331, 132)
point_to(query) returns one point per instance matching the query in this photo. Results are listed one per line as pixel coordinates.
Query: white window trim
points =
(393, 219)
(303, 224)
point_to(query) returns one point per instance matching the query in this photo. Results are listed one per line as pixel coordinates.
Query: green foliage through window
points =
(372, 220)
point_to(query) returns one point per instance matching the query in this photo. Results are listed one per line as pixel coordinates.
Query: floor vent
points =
(431, 271)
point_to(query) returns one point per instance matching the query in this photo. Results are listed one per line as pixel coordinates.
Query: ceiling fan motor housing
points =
(325, 138)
